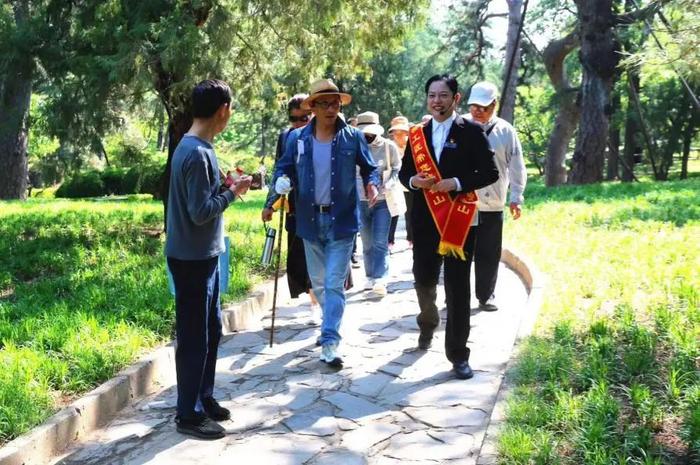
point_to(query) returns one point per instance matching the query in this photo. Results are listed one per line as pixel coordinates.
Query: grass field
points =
(83, 292)
(611, 376)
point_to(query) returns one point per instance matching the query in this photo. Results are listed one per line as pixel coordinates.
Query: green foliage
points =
(83, 292)
(139, 179)
(614, 364)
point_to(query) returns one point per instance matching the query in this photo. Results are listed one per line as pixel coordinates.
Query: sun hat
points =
(483, 94)
(324, 87)
(368, 122)
(399, 123)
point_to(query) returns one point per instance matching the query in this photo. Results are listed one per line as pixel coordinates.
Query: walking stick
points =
(277, 268)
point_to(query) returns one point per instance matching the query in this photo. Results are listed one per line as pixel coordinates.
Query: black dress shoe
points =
(462, 370)
(200, 426)
(424, 343)
(488, 306)
(215, 411)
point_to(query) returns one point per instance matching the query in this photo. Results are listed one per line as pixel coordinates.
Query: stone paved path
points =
(390, 405)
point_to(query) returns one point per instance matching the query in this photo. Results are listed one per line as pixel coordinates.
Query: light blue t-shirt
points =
(322, 171)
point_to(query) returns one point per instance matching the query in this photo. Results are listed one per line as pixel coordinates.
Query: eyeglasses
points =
(326, 105)
(476, 107)
(303, 119)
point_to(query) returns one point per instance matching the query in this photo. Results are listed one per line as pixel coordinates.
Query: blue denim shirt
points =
(349, 149)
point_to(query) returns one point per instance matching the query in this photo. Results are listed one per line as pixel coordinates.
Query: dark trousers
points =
(198, 330)
(485, 250)
(392, 229)
(426, 271)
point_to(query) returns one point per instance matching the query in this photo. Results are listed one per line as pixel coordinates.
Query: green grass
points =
(83, 292)
(611, 374)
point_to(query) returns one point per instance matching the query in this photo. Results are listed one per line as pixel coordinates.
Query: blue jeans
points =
(374, 232)
(327, 260)
(198, 330)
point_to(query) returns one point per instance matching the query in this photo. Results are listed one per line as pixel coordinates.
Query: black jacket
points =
(471, 161)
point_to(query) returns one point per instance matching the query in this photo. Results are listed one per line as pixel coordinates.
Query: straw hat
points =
(368, 122)
(324, 87)
(399, 123)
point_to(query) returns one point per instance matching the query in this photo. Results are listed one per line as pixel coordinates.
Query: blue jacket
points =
(349, 149)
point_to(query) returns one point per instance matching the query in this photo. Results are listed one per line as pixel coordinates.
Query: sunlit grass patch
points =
(611, 375)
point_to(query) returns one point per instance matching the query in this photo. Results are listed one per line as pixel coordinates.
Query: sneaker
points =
(369, 284)
(488, 306)
(215, 411)
(379, 288)
(355, 262)
(330, 356)
(200, 426)
(315, 316)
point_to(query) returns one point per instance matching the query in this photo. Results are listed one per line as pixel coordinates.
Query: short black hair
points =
(208, 96)
(448, 79)
(295, 102)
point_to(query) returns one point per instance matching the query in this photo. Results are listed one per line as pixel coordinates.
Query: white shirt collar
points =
(447, 123)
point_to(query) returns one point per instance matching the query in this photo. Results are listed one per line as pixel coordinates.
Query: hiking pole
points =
(277, 267)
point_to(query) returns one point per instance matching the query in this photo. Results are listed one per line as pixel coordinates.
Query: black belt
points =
(322, 208)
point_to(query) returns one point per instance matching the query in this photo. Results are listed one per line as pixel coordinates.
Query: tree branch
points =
(641, 14)
(554, 55)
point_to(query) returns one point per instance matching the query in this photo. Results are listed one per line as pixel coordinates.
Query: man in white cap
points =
(318, 167)
(376, 220)
(511, 168)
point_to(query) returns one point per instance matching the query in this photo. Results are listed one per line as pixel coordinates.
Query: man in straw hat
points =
(511, 168)
(447, 158)
(318, 167)
(376, 220)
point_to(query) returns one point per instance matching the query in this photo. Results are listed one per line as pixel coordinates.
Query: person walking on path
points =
(195, 239)
(375, 221)
(503, 139)
(446, 160)
(319, 163)
(297, 274)
(398, 132)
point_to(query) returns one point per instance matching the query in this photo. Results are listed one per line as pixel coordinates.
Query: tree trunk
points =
(515, 14)
(15, 97)
(160, 139)
(687, 140)
(632, 144)
(614, 143)
(599, 58)
(567, 118)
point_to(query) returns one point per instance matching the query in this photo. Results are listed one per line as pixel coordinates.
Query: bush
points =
(85, 184)
(141, 179)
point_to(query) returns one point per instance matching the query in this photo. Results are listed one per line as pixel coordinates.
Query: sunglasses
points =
(295, 119)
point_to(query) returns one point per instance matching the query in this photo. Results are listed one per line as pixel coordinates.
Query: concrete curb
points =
(534, 282)
(144, 377)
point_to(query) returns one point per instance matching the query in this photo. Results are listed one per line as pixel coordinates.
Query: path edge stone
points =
(534, 283)
(97, 407)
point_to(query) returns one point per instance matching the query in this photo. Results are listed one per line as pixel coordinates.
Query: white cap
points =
(483, 93)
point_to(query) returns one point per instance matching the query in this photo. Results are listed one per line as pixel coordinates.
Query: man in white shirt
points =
(511, 170)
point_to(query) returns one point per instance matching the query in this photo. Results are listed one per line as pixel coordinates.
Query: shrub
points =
(85, 184)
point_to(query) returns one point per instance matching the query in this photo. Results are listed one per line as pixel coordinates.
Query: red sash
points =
(452, 217)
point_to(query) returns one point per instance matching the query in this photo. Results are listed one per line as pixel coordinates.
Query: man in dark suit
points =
(454, 158)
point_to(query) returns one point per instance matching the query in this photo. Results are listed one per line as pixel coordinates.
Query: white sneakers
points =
(379, 287)
(329, 355)
(369, 284)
